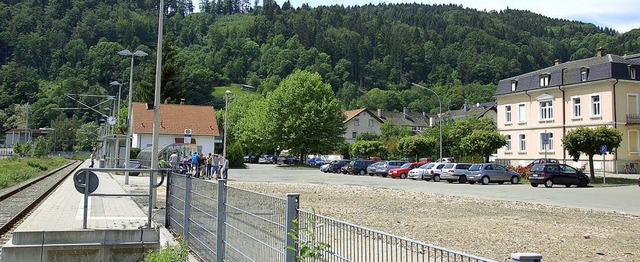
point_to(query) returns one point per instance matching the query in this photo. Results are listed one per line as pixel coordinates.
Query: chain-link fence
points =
(223, 223)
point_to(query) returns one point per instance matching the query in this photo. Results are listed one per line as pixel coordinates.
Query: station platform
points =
(116, 226)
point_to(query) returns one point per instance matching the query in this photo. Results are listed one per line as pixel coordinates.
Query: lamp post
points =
(156, 103)
(440, 115)
(116, 83)
(226, 105)
(129, 121)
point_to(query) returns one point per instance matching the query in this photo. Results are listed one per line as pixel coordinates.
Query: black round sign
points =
(80, 178)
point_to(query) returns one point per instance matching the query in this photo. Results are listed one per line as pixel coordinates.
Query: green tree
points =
(367, 136)
(584, 140)
(86, 137)
(172, 89)
(41, 147)
(415, 146)
(483, 143)
(368, 149)
(304, 115)
(235, 155)
(64, 132)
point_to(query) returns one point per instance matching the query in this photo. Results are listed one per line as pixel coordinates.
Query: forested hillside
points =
(368, 54)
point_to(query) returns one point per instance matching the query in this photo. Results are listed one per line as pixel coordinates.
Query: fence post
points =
(167, 208)
(187, 208)
(222, 217)
(293, 203)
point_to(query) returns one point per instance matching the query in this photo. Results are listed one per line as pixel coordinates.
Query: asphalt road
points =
(622, 199)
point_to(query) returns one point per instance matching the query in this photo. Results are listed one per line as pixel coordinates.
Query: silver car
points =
(455, 172)
(418, 173)
(433, 173)
(491, 173)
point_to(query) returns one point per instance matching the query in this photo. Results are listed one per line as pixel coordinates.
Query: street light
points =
(116, 83)
(129, 121)
(439, 102)
(226, 105)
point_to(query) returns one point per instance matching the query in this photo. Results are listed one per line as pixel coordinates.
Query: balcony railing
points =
(633, 119)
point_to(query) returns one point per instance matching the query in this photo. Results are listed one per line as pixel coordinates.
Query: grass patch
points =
(16, 170)
(614, 181)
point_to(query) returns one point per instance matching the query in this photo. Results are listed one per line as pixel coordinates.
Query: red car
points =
(402, 171)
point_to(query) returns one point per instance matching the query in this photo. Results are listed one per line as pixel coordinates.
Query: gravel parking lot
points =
(484, 227)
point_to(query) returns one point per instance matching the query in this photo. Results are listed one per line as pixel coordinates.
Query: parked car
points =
(383, 170)
(336, 165)
(455, 172)
(316, 161)
(491, 173)
(267, 159)
(542, 161)
(403, 171)
(325, 168)
(419, 172)
(433, 173)
(288, 160)
(358, 167)
(371, 169)
(446, 160)
(549, 174)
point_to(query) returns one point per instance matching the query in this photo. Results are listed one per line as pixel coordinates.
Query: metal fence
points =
(223, 223)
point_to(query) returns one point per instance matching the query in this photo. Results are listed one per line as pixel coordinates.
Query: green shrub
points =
(37, 165)
(133, 153)
(169, 254)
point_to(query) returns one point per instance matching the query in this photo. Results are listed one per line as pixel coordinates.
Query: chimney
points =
(558, 61)
(424, 114)
(478, 104)
(600, 52)
(182, 101)
(379, 113)
(430, 121)
(404, 112)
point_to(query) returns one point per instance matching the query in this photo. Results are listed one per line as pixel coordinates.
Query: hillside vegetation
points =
(369, 54)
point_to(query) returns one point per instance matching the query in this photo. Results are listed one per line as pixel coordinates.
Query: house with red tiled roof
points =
(360, 121)
(174, 119)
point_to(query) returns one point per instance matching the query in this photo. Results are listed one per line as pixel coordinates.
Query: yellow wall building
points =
(600, 91)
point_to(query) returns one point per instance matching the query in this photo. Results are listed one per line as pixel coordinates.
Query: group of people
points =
(205, 167)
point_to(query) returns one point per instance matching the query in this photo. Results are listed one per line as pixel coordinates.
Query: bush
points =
(169, 254)
(524, 171)
(41, 147)
(235, 156)
(133, 153)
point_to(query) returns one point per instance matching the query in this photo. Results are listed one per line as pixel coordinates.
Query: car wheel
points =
(450, 181)
(485, 180)
(462, 179)
(534, 185)
(362, 172)
(515, 180)
(436, 178)
(384, 175)
(371, 174)
(403, 176)
(548, 183)
(584, 182)
(567, 185)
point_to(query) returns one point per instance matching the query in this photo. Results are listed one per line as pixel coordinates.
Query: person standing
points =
(194, 164)
(93, 157)
(209, 163)
(224, 167)
(173, 160)
(216, 166)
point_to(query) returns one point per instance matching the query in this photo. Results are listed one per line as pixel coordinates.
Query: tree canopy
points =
(588, 141)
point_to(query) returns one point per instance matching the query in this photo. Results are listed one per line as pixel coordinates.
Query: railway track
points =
(18, 201)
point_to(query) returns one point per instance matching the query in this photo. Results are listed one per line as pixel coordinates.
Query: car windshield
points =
(427, 166)
(406, 165)
(475, 167)
(537, 168)
(448, 166)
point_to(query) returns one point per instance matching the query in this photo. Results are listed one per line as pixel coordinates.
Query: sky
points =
(621, 15)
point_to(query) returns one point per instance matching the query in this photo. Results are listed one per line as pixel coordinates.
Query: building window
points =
(521, 114)
(514, 85)
(633, 141)
(595, 105)
(354, 134)
(507, 113)
(548, 138)
(632, 72)
(576, 107)
(544, 80)
(522, 142)
(584, 74)
(508, 146)
(370, 122)
(546, 110)
(356, 122)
